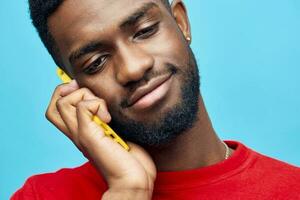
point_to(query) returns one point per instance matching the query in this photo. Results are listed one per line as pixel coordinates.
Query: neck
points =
(197, 147)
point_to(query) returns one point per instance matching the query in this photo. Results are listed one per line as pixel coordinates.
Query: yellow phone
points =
(107, 130)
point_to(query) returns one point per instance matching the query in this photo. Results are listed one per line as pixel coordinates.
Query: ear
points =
(180, 14)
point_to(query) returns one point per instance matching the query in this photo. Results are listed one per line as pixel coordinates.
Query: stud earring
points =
(188, 38)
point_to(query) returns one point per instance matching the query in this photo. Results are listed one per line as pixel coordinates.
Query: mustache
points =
(132, 86)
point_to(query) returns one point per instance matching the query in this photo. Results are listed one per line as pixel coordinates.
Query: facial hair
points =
(173, 122)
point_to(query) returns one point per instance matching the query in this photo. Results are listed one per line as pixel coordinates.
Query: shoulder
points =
(62, 184)
(274, 165)
(273, 172)
(279, 177)
(261, 163)
(258, 172)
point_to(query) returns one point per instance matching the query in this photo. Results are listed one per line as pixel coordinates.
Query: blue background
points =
(248, 52)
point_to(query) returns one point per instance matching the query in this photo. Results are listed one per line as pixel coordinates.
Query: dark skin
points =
(100, 36)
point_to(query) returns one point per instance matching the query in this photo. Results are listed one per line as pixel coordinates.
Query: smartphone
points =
(107, 130)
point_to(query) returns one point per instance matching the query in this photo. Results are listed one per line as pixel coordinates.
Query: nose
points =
(133, 64)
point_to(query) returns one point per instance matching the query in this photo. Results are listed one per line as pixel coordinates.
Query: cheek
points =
(104, 88)
(170, 46)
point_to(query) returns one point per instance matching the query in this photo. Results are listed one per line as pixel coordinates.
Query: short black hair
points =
(40, 11)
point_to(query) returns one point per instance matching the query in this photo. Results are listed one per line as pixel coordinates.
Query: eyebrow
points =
(129, 21)
(137, 15)
(88, 48)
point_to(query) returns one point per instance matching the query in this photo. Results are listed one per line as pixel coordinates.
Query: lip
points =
(142, 91)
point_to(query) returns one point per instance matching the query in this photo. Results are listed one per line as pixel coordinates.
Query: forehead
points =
(76, 17)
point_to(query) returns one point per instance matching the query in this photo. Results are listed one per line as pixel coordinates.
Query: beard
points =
(171, 123)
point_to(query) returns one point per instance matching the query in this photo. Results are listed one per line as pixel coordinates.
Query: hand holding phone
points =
(72, 110)
(107, 130)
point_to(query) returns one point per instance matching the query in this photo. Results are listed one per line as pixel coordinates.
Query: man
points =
(133, 68)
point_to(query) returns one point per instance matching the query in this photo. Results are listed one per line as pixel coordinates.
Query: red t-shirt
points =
(245, 175)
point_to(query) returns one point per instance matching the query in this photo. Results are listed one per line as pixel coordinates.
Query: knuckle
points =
(58, 89)
(81, 105)
(88, 93)
(104, 107)
(60, 103)
(86, 90)
(48, 114)
(102, 103)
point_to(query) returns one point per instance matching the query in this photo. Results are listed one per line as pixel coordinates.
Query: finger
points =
(108, 155)
(103, 112)
(52, 113)
(67, 108)
(70, 87)
(78, 95)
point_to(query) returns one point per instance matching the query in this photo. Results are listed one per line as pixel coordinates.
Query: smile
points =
(151, 93)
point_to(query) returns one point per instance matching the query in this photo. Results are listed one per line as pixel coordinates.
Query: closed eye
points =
(97, 65)
(147, 32)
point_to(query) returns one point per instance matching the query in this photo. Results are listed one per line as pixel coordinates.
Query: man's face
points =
(131, 53)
